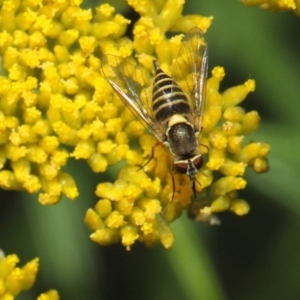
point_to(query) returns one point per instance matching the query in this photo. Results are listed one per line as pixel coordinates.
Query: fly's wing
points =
(129, 82)
(190, 71)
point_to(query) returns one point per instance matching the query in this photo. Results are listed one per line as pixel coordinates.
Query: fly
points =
(175, 112)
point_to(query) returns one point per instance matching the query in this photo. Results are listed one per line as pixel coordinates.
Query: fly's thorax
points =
(182, 137)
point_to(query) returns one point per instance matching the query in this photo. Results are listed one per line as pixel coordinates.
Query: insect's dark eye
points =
(198, 162)
(181, 166)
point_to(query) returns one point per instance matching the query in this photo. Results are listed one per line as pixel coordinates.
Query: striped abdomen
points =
(167, 97)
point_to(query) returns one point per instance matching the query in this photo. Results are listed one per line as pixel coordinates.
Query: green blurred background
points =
(252, 257)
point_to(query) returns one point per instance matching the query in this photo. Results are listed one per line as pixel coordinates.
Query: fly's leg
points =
(173, 194)
(205, 146)
(152, 155)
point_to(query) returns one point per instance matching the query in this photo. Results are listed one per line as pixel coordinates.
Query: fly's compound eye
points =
(181, 166)
(197, 162)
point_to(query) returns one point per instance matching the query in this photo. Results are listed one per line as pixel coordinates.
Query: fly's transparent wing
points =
(190, 71)
(129, 82)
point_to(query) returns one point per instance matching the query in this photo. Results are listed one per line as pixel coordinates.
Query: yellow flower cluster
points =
(14, 280)
(224, 128)
(273, 5)
(56, 105)
(128, 210)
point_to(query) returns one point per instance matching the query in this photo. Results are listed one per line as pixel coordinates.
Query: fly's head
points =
(190, 167)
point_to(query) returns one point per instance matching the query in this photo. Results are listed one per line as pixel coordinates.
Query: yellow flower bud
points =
(37, 40)
(49, 295)
(237, 94)
(216, 159)
(250, 122)
(32, 115)
(93, 221)
(105, 236)
(232, 168)
(65, 133)
(232, 128)
(240, 207)
(134, 158)
(30, 271)
(151, 207)
(68, 37)
(49, 143)
(235, 143)
(48, 199)
(234, 113)
(115, 220)
(104, 12)
(213, 83)
(220, 204)
(8, 263)
(14, 281)
(137, 216)
(117, 154)
(84, 149)
(211, 118)
(105, 146)
(103, 208)
(68, 184)
(122, 138)
(8, 181)
(260, 165)
(252, 151)
(20, 39)
(218, 139)
(113, 126)
(99, 131)
(166, 235)
(124, 206)
(97, 162)
(15, 152)
(36, 154)
(21, 169)
(42, 127)
(129, 234)
(147, 228)
(227, 184)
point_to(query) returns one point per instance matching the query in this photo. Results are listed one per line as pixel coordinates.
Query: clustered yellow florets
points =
(56, 105)
(14, 280)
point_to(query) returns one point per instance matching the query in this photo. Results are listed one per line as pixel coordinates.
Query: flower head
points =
(57, 105)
